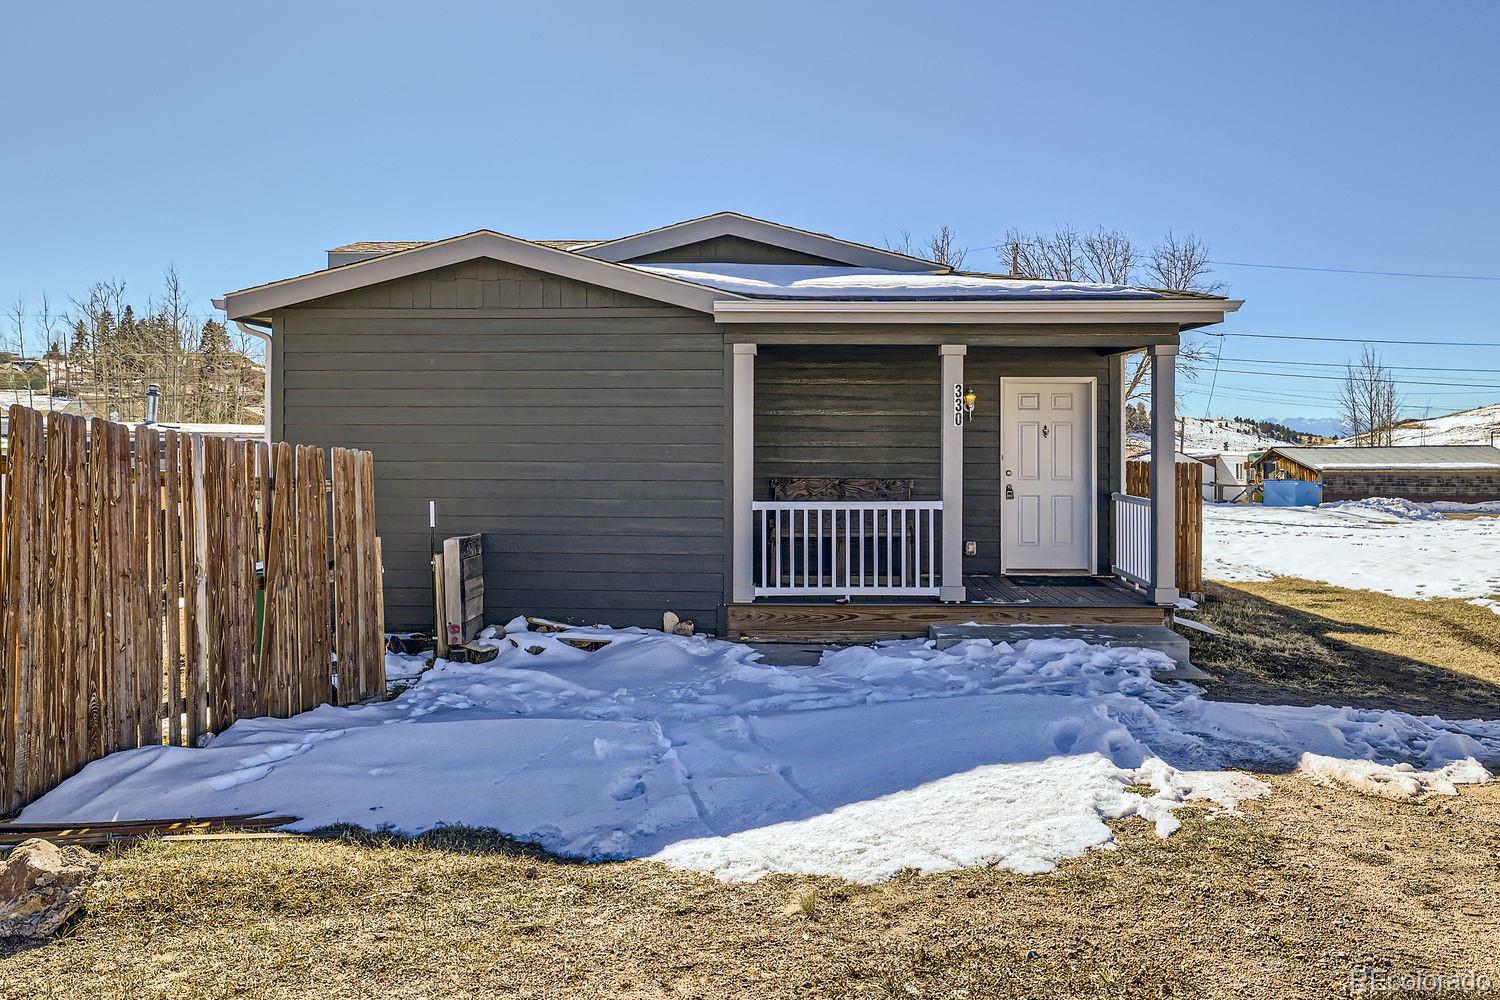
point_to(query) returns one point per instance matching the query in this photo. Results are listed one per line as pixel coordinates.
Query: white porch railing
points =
(1133, 538)
(848, 548)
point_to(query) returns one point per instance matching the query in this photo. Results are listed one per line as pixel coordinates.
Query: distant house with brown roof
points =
(1454, 473)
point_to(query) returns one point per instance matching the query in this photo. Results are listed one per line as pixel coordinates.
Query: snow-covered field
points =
(1213, 434)
(1465, 427)
(692, 751)
(1393, 546)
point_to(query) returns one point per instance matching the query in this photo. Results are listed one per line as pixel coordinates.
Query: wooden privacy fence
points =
(1189, 517)
(131, 582)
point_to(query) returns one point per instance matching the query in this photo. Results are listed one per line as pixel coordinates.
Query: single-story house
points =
(1229, 475)
(1457, 473)
(756, 426)
(1205, 472)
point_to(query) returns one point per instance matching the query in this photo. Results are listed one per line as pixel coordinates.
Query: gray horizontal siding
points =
(847, 413)
(872, 412)
(498, 414)
(580, 431)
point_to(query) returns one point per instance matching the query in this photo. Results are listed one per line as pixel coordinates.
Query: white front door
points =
(1046, 476)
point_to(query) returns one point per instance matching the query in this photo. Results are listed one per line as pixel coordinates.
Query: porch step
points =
(1157, 637)
(860, 623)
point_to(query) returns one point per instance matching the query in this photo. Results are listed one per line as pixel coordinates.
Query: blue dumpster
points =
(1291, 493)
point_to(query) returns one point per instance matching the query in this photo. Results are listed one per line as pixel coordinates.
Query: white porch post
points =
(1164, 473)
(742, 442)
(951, 412)
(1117, 364)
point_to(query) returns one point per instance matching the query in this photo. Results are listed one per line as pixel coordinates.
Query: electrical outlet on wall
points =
(971, 548)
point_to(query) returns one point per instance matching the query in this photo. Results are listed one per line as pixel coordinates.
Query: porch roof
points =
(869, 284)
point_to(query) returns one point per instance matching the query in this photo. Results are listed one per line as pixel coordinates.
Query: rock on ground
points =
(41, 886)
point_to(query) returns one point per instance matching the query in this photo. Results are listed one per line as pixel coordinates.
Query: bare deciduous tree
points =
(1368, 401)
(1109, 257)
(941, 248)
(113, 353)
(1059, 256)
(18, 329)
(901, 244)
(1178, 263)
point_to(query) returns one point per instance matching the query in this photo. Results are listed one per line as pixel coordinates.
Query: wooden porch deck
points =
(992, 600)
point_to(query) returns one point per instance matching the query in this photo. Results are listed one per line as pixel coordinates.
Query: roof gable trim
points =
(261, 299)
(746, 227)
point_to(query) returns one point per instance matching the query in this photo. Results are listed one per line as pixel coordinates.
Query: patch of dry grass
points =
(1301, 642)
(1281, 902)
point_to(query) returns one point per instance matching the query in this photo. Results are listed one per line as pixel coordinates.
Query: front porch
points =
(883, 490)
(988, 600)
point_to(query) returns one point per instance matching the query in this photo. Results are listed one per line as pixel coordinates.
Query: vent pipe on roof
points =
(153, 402)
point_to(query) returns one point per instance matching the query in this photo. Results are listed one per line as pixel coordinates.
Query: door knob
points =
(1010, 492)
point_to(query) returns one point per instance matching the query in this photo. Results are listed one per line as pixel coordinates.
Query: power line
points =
(1218, 360)
(1355, 270)
(1350, 340)
(1341, 378)
(1338, 364)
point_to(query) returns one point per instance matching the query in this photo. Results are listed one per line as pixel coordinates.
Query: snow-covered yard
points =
(692, 751)
(1392, 546)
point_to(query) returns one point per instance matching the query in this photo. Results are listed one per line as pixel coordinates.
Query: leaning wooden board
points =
(463, 588)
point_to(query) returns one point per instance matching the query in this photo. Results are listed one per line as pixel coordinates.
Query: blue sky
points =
(238, 141)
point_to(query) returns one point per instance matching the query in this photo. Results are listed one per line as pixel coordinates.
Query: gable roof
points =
(877, 286)
(748, 227)
(1338, 457)
(258, 301)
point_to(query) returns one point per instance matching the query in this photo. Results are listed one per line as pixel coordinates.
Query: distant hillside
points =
(1227, 434)
(1329, 427)
(1464, 427)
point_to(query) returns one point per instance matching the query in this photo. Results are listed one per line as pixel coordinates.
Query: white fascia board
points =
(1181, 311)
(260, 300)
(732, 224)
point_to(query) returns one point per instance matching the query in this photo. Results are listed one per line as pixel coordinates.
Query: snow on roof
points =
(808, 281)
(1472, 456)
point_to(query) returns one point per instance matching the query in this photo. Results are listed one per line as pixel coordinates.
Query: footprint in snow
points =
(1064, 734)
(626, 786)
(244, 776)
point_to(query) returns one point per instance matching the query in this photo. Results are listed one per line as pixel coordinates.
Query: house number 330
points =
(958, 404)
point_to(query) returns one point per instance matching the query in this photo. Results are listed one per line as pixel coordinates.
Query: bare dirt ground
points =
(1289, 899)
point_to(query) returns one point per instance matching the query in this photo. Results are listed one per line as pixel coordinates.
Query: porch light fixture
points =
(970, 398)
